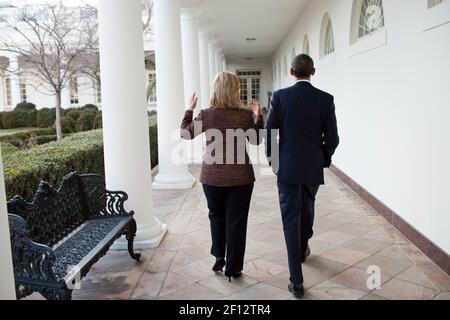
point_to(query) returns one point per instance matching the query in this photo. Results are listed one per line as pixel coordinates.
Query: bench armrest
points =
(115, 204)
(33, 262)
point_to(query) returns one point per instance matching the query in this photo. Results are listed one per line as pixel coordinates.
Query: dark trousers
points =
(228, 214)
(297, 210)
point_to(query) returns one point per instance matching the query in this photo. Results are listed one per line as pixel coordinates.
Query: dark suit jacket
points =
(306, 120)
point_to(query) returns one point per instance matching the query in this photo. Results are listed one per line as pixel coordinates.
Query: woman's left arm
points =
(257, 124)
(190, 127)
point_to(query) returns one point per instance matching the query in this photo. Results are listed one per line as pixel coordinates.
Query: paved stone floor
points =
(349, 237)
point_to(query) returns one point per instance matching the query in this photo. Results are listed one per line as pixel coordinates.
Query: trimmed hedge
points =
(68, 125)
(98, 121)
(81, 152)
(86, 121)
(25, 106)
(25, 169)
(46, 117)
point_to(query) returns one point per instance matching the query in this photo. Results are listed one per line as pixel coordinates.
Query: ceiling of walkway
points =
(267, 21)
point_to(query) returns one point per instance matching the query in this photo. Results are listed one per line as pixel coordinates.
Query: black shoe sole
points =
(297, 294)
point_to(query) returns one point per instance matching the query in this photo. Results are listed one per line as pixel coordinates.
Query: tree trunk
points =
(59, 134)
(150, 87)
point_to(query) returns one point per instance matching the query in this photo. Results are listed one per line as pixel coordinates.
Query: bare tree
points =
(89, 63)
(49, 40)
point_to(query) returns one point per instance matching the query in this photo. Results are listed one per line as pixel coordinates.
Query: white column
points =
(204, 68)
(212, 63)
(125, 120)
(191, 73)
(170, 91)
(7, 287)
(218, 60)
(224, 63)
(15, 81)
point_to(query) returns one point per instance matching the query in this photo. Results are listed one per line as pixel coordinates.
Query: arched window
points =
(306, 49)
(367, 18)
(327, 37)
(433, 3)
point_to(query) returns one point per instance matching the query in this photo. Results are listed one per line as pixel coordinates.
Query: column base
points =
(143, 240)
(168, 182)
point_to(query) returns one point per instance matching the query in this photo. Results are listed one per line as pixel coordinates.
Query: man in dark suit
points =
(304, 119)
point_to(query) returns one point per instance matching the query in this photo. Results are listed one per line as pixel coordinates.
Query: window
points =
(98, 91)
(250, 81)
(306, 45)
(327, 38)
(256, 88)
(23, 90)
(244, 90)
(434, 3)
(152, 78)
(74, 98)
(371, 17)
(8, 91)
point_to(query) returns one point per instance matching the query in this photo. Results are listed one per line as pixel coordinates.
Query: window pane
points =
(371, 17)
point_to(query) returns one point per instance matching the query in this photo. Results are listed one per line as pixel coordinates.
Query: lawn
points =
(5, 132)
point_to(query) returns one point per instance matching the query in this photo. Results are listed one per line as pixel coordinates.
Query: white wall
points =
(256, 64)
(393, 106)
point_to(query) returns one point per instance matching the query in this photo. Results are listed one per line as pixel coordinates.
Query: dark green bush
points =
(90, 108)
(40, 140)
(24, 119)
(153, 131)
(98, 121)
(81, 152)
(24, 169)
(1, 124)
(68, 125)
(74, 114)
(8, 120)
(46, 117)
(25, 106)
(85, 122)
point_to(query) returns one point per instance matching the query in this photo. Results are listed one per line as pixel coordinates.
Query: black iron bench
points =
(59, 236)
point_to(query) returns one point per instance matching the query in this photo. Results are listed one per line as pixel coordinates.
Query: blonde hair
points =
(226, 93)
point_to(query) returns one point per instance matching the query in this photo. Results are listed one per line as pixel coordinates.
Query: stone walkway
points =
(349, 237)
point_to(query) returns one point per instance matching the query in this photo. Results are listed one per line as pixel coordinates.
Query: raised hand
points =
(256, 107)
(193, 102)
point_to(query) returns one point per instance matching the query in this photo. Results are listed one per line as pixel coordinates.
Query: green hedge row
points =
(73, 119)
(81, 152)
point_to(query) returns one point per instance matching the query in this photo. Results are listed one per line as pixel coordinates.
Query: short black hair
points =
(303, 65)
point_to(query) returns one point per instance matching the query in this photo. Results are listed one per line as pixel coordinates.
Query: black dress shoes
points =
(305, 255)
(297, 291)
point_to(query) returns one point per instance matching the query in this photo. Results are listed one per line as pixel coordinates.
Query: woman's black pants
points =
(228, 214)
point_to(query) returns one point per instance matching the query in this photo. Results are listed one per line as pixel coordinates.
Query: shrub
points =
(153, 131)
(24, 169)
(25, 106)
(81, 152)
(74, 114)
(46, 117)
(8, 120)
(24, 118)
(40, 140)
(1, 124)
(85, 122)
(18, 139)
(68, 125)
(98, 121)
(90, 108)
(8, 148)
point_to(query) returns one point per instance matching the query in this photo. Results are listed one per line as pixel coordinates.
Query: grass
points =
(6, 132)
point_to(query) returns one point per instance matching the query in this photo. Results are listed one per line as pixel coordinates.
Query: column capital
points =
(189, 13)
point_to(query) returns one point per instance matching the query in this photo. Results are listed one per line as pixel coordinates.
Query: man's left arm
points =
(272, 127)
(331, 135)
